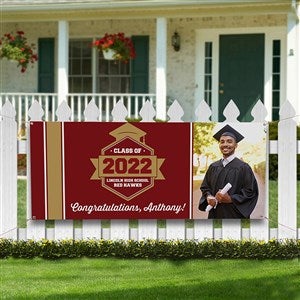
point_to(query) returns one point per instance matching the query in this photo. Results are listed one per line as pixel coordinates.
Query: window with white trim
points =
(111, 76)
(80, 66)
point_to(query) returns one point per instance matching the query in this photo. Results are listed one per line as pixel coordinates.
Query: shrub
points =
(153, 249)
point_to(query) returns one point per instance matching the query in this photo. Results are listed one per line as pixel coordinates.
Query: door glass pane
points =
(208, 66)
(207, 83)
(208, 72)
(276, 99)
(276, 47)
(276, 64)
(208, 49)
(276, 79)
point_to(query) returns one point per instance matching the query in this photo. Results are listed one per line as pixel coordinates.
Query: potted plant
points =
(16, 48)
(116, 46)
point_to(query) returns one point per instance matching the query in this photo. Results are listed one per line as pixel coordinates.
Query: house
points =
(240, 50)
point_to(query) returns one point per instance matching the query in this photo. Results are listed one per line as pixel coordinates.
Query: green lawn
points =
(22, 206)
(148, 279)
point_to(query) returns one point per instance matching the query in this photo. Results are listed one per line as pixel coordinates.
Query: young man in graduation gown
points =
(240, 200)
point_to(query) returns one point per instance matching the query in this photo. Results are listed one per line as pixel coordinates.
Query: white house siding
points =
(180, 65)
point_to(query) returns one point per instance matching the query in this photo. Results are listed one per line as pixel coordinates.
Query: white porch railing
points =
(174, 229)
(77, 103)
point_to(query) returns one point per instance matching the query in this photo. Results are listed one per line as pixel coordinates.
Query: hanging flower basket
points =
(123, 47)
(109, 54)
(15, 48)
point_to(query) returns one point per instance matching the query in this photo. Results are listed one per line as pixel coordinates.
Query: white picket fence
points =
(286, 148)
(77, 102)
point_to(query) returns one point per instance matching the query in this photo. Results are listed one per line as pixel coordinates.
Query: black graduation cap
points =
(229, 131)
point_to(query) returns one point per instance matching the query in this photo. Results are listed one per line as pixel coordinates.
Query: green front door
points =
(241, 72)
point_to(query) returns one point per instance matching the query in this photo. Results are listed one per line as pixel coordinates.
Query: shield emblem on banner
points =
(128, 166)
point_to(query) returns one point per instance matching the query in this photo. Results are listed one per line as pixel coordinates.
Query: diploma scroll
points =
(224, 190)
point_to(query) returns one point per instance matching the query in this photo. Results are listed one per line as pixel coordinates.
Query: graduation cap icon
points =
(228, 131)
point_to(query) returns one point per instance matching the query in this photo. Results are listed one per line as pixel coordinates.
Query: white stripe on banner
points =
(191, 171)
(45, 170)
(63, 168)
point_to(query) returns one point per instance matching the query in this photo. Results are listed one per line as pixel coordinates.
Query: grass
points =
(148, 279)
(273, 210)
(22, 205)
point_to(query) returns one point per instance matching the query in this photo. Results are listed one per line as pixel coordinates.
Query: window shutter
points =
(140, 65)
(46, 65)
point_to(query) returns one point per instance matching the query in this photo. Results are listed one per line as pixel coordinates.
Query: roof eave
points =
(141, 4)
(180, 11)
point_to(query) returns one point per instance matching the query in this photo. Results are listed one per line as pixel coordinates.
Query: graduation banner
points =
(96, 170)
(115, 170)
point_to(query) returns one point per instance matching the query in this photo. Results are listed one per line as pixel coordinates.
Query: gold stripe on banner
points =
(54, 171)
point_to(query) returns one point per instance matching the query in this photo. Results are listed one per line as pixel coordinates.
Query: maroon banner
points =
(96, 170)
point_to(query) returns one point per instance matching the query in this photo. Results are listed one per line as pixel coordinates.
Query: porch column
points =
(63, 56)
(161, 68)
(292, 65)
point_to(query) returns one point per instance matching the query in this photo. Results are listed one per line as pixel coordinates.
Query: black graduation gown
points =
(244, 190)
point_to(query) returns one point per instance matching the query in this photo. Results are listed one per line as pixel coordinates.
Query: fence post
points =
(287, 173)
(8, 172)
(147, 229)
(91, 229)
(203, 229)
(231, 229)
(119, 229)
(175, 229)
(64, 229)
(259, 229)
